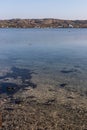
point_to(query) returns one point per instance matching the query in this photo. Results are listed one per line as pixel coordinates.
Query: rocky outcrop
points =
(42, 23)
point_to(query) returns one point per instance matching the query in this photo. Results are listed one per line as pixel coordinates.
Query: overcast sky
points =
(61, 9)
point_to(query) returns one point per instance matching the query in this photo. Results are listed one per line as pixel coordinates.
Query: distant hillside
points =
(42, 23)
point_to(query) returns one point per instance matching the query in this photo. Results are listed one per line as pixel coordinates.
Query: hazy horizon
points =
(38, 9)
(42, 18)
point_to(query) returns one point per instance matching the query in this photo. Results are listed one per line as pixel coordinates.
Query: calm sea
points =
(54, 55)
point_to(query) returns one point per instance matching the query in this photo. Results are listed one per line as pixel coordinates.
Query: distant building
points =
(2, 26)
(60, 26)
(70, 26)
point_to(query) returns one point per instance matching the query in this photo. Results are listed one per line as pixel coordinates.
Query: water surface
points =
(54, 56)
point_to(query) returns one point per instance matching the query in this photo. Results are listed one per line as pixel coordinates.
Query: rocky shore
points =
(42, 23)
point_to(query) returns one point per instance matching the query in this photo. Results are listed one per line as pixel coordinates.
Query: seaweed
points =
(63, 85)
(68, 71)
(12, 88)
(9, 88)
(49, 102)
(9, 109)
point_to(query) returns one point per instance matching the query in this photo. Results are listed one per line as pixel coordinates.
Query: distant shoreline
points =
(43, 23)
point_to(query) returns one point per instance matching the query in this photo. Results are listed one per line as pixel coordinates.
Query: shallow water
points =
(55, 56)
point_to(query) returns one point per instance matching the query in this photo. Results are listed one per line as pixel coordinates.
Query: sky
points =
(60, 9)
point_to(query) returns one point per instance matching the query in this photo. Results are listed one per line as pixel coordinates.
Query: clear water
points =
(55, 55)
